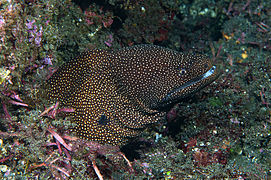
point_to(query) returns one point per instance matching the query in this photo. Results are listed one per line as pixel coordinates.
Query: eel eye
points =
(182, 71)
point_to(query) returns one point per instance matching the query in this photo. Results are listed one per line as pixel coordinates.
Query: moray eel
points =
(118, 93)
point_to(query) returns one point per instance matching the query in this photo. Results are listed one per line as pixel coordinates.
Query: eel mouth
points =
(207, 75)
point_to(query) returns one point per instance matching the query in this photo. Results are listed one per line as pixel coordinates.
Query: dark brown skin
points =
(116, 94)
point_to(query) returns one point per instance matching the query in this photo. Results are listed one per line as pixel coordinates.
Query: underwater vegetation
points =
(222, 131)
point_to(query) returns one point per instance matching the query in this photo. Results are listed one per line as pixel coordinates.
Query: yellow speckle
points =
(4, 75)
(244, 55)
(228, 37)
(3, 168)
(239, 61)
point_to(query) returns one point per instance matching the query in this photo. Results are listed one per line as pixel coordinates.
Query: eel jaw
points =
(169, 98)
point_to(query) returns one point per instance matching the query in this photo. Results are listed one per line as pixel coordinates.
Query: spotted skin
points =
(116, 94)
(148, 73)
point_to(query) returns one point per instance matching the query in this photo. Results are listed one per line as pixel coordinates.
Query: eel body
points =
(118, 93)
